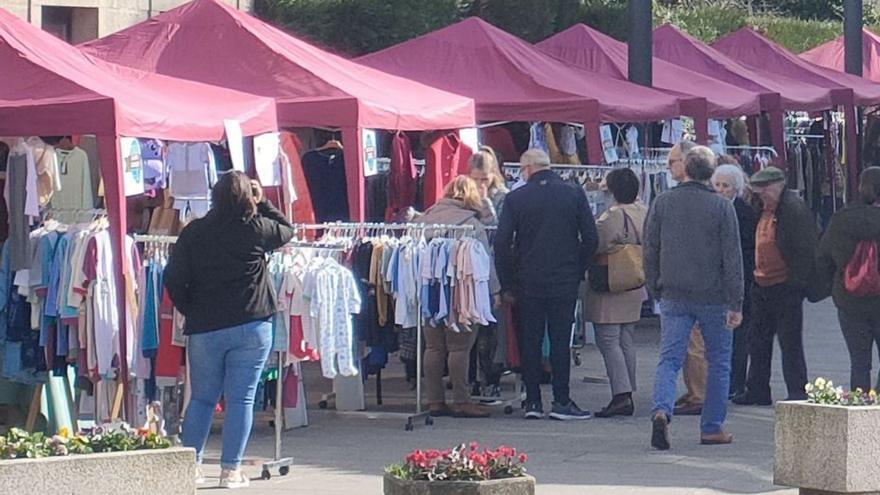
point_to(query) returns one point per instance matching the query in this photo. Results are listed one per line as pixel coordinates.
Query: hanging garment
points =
(303, 210)
(19, 161)
(76, 181)
(445, 158)
(499, 139)
(401, 177)
(153, 161)
(538, 138)
(191, 175)
(325, 174)
(46, 162)
(333, 299)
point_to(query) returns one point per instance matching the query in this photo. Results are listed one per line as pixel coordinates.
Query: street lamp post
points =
(852, 35)
(640, 42)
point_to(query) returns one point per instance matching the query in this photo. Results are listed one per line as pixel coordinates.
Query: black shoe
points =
(660, 432)
(569, 412)
(534, 410)
(688, 410)
(623, 407)
(476, 390)
(747, 399)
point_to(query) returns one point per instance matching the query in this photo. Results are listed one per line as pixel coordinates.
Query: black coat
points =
(848, 227)
(797, 237)
(217, 275)
(748, 223)
(546, 237)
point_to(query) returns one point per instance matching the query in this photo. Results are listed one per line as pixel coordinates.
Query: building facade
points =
(77, 21)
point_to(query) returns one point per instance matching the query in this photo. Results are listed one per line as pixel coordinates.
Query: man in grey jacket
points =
(693, 267)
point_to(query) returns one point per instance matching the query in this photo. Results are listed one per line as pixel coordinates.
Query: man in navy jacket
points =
(546, 238)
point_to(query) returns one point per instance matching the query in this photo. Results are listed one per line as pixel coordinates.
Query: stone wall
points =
(164, 472)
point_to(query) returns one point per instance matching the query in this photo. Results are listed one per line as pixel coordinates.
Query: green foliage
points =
(707, 21)
(359, 26)
(608, 16)
(356, 27)
(796, 34)
(19, 444)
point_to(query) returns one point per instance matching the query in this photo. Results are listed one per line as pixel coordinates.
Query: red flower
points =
(474, 446)
(523, 458)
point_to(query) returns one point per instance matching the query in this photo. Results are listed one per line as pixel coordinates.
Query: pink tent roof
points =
(209, 41)
(56, 89)
(681, 49)
(511, 80)
(592, 50)
(754, 50)
(832, 56)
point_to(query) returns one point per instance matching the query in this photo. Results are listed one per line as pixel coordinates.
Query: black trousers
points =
(483, 356)
(555, 317)
(777, 311)
(740, 358)
(860, 330)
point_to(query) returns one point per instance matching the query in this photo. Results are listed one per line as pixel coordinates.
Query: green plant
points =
(462, 463)
(17, 444)
(823, 391)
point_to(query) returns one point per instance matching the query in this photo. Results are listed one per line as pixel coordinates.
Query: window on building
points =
(72, 24)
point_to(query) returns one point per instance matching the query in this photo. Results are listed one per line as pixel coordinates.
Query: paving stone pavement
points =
(340, 455)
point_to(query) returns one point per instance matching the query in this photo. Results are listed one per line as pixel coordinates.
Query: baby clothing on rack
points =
(333, 299)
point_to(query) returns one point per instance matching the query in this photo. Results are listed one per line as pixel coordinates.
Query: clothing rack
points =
(155, 239)
(418, 229)
(281, 463)
(768, 149)
(562, 166)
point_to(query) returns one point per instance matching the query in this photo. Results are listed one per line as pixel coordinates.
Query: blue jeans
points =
(228, 361)
(677, 319)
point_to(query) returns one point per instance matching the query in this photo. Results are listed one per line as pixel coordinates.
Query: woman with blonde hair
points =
(484, 169)
(460, 205)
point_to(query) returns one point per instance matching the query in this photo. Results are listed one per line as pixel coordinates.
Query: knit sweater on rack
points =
(217, 275)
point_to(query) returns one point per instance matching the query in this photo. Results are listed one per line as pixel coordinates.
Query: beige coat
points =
(621, 307)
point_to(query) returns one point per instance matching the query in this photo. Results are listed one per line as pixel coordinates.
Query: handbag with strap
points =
(621, 270)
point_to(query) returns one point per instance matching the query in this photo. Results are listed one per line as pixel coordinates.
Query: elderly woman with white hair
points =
(730, 182)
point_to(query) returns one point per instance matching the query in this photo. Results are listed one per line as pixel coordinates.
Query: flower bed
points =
(18, 444)
(462, 470)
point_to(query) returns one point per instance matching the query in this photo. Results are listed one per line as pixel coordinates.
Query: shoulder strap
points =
(626, 221)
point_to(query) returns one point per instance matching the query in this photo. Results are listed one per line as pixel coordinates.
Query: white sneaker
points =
(200, 476)
(230, 478)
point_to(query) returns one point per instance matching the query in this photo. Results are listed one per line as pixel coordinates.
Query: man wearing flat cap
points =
(785, 250)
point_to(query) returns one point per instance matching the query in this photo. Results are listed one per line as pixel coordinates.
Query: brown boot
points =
(720, 438)
(470, 410)
(439, 409)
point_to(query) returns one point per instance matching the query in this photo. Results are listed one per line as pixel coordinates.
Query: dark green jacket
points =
(848, 227)
(798, 238)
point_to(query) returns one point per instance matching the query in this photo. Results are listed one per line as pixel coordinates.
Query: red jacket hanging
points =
(303, 211)
(401, 177)
(445, 158)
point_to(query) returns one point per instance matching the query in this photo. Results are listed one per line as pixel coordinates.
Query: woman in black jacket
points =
(729, 181)
(859, 315)
(217, 278)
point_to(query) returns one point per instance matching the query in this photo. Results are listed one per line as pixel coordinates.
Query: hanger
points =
(330, 145)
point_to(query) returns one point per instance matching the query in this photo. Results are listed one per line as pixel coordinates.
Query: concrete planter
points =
(827, 450)
(511, 486)
(165, 472)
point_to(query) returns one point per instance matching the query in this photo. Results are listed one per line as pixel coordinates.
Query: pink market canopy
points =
(831, 55)
(209, 41)
(756, 51)
(589, 49)
(512, 80)
(51, 88)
